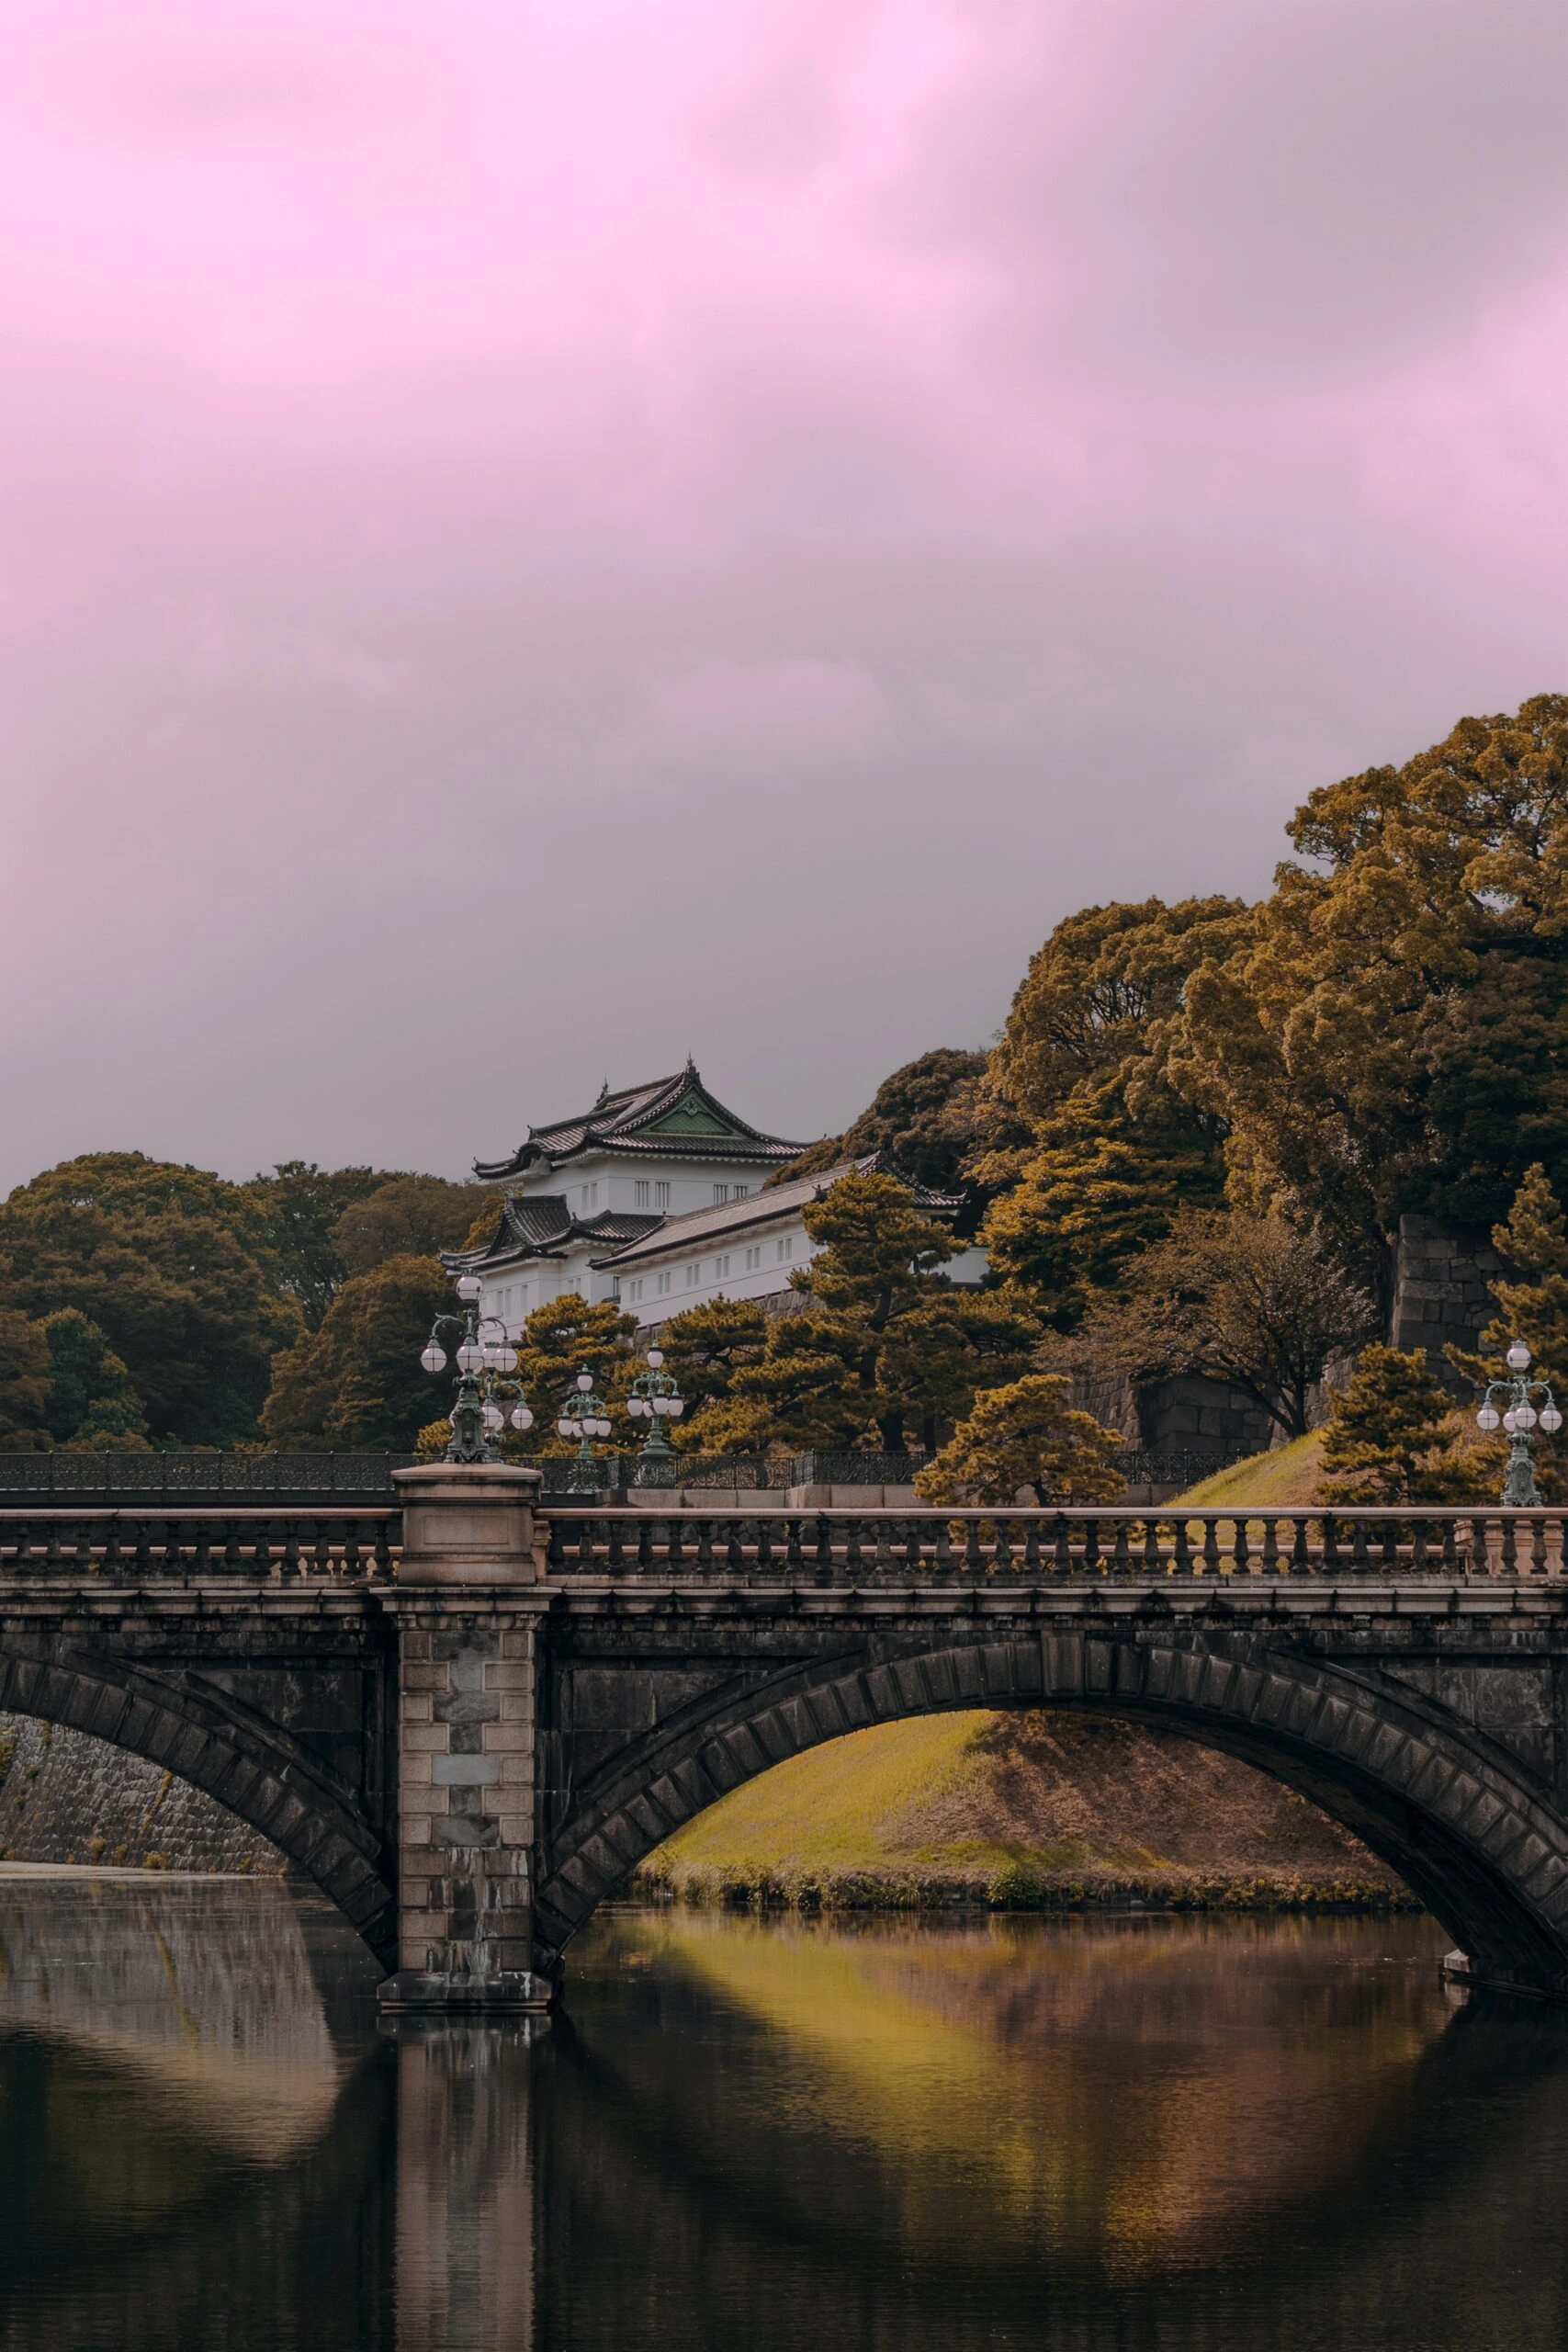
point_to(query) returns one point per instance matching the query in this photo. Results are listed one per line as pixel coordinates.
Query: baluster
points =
(231, 1543)
(973, 1560)
(883, 1549)
(644, 1542)
(1510, 1550)
(1002, 1550)
(1183, 1547)
(735, 1550)
(1538, 1543)
(1479, 1545)
(174, 1547)
(1091, 1547)
(617, 1545)
(704, 1543)
(1451, 1549)
(1211, 1547)
(322, 1556)
(1391, 1546)
(290, 1564)
(1271, 1559)
(914, 1545)
(555, 1550)
(584, 1545)
(1121, 1558)
(1418, 1562)
(1301, 1548)
(52, 1549)
(1032, 1546)
(794, 1556)
(261, 1549)
(824, 1548)
(1152, 1561)
(1358, 1545)
(1239, 1554)
(852, 1547)
(1063, 1547)
(143, 1553)
(109, 1565)
(945, 1558)
(764, 1545)
(675, 1546)
(1330, 1543)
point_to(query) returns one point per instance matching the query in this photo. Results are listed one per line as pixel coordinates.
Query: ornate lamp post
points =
(655, 1397)
(585, 1417)
(1519, 1417)
(483, 1351)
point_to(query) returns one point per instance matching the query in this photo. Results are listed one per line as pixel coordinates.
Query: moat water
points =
(1282, 2135)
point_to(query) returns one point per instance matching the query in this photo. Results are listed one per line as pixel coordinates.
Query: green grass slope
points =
(1043, 1807)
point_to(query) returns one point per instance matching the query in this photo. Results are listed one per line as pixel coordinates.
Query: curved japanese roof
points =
(667, 1118)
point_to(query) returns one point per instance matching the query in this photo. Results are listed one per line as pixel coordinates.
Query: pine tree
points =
(1393, 1435)
(1025, 1435)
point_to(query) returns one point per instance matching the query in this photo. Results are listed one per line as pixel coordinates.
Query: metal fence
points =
(261, 1477)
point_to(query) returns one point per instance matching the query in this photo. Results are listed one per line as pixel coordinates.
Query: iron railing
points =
(842, 1546)
(178, 1477)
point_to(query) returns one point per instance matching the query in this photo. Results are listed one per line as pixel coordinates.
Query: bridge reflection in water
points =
(793, 2135)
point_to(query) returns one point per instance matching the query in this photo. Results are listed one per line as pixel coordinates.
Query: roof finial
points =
(691, 1065)
(603, 1094)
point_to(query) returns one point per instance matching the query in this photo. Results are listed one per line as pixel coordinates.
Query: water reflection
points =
(1208, 2133)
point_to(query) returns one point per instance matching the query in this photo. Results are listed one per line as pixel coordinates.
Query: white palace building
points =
(655, 1198)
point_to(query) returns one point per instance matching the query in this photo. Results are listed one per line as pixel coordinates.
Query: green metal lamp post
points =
(483, 1352)
(655, 1397)
(585, 1417)
(1518, 1418)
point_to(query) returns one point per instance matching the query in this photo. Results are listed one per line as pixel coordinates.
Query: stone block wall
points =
(1184, 1414)
(68, 1798)
(465, 1794)
(1443, 1292)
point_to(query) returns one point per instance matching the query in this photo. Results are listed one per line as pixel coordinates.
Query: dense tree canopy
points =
(358, 1383)
(560, 1339)
(1027, 1438)
(169, 1264)
(403, 1216)
(298, 1208)
(1392, 1035)
(922, 1123)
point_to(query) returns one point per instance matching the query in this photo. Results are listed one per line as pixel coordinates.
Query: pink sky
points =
(722, 523)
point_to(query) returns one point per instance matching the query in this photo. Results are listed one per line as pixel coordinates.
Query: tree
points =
(703, 1350)
(169, 1264)
(415, 1216)
(24, 1380)
(1392, 1436)
(1247, 1300)
(1087, 1148)
(1390, 1037)
(299, 1205)
(357, 1382)
(560, 1339)
(880, 1338)
(921, 1122)
(1534, 1241)
(92, 1402)
(1025, 1435)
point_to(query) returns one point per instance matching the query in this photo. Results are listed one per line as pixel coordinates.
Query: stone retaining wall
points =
(67, 1798)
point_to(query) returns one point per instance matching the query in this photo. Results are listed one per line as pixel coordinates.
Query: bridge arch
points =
(220, 1745)
(1450, 1810)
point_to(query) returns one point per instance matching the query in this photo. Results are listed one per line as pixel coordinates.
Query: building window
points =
(694, 1274)
(664, 1283)
(787, 1247)
(642, 1192)
(753, 1258)
(615, 1288)
(742, 1193)
(661, 1196)
(721, 1270)
(635, 1289)
(720, 1195)
(590, 1198)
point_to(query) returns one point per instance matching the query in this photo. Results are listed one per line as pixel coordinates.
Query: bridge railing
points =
(351, 1544)
(840, 1546)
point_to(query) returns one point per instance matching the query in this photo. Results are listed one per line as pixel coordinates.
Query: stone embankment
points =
(67, 1798)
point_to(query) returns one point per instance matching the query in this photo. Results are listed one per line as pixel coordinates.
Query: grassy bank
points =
(1028, 1811)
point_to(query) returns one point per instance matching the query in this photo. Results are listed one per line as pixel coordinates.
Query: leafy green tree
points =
(1392, 1037)
(23, 1380)
(298, 1206)
(951, 1343)
(807, 1391)
(1249, 1301)
(405, 1217)
(1026, 1435)
(358, 1383)
(1392, 1436)
(560, 1339)
(92, 1402)
(169, 1262)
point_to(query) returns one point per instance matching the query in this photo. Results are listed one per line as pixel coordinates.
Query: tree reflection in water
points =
(1265, 2134)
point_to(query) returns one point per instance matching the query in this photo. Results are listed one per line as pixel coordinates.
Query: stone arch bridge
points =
(467, 1723)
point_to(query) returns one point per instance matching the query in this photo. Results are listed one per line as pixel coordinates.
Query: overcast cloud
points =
(537, 538)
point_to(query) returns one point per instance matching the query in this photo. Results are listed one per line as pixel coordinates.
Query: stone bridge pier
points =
(467, 1604)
